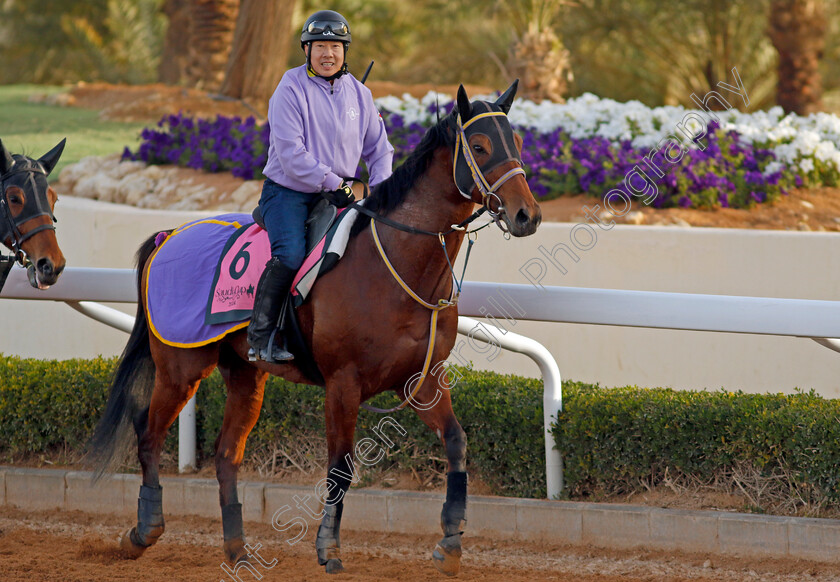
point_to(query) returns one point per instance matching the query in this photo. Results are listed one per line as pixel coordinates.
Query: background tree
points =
(662, 52)
(434, 42)
(260, 49)
(797, 29)
(176, 42)
(59, 41)
(537, 56)
(211, 27)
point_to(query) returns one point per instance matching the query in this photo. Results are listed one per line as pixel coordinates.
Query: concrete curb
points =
(561, 522)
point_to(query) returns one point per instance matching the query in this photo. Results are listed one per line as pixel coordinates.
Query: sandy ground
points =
(76, 547)
(816, 209)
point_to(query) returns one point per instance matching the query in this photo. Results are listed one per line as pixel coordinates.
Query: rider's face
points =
(326, 57)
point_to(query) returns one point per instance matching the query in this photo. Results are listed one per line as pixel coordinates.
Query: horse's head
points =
(26, 214)
(488, 163)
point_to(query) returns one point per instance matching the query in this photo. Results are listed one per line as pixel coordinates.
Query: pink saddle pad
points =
(242, 262)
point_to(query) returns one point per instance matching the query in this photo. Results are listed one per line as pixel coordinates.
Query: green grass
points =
(34, 128)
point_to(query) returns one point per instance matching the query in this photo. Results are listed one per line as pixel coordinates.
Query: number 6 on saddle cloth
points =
(204, 275)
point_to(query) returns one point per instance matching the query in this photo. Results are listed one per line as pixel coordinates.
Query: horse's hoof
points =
(235, 551)
(128, 548)
(334, 566)
(447, 561)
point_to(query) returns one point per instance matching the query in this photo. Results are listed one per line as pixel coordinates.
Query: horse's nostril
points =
(522, 217)
(45, 267)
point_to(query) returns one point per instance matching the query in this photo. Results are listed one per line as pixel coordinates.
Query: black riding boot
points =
(272, 290)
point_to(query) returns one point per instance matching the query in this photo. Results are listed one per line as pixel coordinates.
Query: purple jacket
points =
(319, 132)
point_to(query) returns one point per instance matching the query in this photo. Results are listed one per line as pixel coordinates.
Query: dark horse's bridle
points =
(31, 177)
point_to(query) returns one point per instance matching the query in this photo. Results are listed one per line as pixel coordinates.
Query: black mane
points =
(389, 193)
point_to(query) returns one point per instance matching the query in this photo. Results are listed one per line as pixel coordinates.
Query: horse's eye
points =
(15, 200)
(478, 148)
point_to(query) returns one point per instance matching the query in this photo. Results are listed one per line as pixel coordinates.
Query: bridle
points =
(34, 206)
(464, 152)
(25, 172)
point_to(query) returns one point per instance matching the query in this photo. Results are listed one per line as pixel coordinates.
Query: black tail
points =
(126, 412)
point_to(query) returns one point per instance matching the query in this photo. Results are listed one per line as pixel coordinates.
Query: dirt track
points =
(76, 547)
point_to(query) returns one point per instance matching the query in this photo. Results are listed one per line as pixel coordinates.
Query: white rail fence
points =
(497, 305)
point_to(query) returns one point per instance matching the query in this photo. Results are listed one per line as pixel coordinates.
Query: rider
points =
(322, 120)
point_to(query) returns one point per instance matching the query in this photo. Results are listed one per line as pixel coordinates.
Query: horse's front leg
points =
(342, 409)
(441, 419)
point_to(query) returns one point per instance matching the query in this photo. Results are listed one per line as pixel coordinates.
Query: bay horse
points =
(26, 216)
(367, 325)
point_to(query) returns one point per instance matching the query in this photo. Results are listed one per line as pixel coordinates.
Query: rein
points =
(436, 309)
(460, 227)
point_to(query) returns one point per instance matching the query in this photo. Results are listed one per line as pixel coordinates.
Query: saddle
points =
(317, 225)
(318, 231)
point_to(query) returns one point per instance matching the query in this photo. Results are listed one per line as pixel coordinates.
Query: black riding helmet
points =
(327, 25)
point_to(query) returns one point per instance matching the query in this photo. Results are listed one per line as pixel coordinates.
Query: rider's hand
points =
(341, 197)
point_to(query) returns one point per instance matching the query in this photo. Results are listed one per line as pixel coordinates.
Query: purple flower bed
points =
(226, 144)
(726, 173)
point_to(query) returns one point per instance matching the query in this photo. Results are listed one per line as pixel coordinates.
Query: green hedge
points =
(48, 406)
(781, 451)
(502, 416)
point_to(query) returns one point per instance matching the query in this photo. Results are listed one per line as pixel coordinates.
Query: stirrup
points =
(271, 354)
(282, 356)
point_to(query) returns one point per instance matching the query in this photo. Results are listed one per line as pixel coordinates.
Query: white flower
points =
(772, 168)
(793, 139)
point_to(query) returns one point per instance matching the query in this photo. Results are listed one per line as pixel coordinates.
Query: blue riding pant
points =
(285, 212)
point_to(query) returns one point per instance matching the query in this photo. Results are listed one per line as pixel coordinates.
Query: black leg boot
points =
(272, 290)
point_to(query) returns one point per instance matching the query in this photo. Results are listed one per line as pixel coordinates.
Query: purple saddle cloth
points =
(181, 276)
(202, 279)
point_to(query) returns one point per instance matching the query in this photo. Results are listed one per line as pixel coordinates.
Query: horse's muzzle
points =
(524, 222)
(47, 272)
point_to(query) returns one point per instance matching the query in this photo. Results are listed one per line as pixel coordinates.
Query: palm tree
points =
(663, 52)
(537, 56)
(211, 27)
(260, 49)
(176, 42)
(797, 30)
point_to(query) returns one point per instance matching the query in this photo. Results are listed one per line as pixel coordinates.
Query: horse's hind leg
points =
(246, 385)
(441, 419)
(175, 383)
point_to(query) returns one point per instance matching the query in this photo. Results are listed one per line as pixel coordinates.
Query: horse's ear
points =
(6, 159)
(506, 100)
(464, 106)
(50, 159)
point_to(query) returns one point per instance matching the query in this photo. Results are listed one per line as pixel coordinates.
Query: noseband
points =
(24, 174)
(504, 143)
